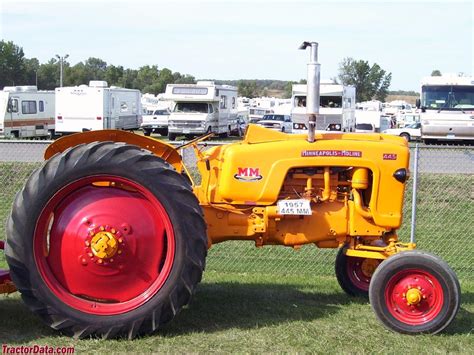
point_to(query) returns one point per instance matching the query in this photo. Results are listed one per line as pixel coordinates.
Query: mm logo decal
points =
(389, 156)
(248, 174)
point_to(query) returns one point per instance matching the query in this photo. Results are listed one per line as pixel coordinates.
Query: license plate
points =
(451, 136)
(294, 207)
(186, 131)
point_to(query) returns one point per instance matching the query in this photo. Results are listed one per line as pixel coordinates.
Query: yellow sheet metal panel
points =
(252, 172)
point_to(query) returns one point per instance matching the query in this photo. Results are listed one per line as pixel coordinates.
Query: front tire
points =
(354, 274)
(415, 292)
(97, 245)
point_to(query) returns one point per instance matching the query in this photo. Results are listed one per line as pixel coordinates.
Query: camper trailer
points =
(96, 107)
(26, 112)
(201, 108)
(336, 112)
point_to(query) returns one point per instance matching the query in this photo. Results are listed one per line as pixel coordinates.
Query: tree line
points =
(16, 69)
(371, 81)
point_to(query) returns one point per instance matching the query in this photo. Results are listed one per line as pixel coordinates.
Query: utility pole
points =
(61, 63)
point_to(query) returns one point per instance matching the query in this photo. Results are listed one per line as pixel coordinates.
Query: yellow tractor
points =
(109, 237)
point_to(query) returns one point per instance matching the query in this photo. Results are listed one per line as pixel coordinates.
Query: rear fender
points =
(165, 151)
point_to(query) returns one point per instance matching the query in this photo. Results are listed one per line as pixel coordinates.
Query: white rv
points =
(336, 112)
(201, 108)
(96, 107)
(26, 112)
(377, 119)
(447, 109)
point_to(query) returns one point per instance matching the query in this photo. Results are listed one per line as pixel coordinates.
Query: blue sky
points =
(249, 39)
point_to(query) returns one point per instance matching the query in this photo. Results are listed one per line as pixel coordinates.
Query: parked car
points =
(277, 122)
(240, 128)
(157, 122)
(410, 132)
(364, 128)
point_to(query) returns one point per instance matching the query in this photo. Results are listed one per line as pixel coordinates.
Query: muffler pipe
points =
(313, 87)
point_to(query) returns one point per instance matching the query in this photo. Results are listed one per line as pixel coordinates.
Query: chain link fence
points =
(444, 216)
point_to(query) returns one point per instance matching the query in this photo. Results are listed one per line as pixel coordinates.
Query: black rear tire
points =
(147, 132)
(415, 292)
(161, 181)
(172, 136)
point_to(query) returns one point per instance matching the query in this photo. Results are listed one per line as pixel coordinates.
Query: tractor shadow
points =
(464, 322)
(221, 306)
(225, 305)
(18, 324)
(215, 307)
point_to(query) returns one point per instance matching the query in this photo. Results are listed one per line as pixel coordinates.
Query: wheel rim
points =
(414, 296)
(104, 245)
(360, 271)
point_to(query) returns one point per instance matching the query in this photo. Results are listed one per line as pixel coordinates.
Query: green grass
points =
(254, 313)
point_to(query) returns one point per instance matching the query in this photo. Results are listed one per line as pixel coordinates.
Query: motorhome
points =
(377, 119)
(200, 108)
(96, 107)
(26, 112)
(256, 113)
(447, 109)
(397, 107)
(150, 103)
(336, 112)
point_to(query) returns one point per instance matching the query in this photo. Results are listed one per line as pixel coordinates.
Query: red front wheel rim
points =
(104, 245)
(360, 271)
(414, 297)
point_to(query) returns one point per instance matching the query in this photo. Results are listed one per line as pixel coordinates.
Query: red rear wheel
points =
(97, 242)
(415, 292)
(110, 213)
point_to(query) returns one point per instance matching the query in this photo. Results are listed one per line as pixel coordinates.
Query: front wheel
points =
(97, 243)
(354, 274)
(415, 292)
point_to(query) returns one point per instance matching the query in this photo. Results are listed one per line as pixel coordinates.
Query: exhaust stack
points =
(313, 86)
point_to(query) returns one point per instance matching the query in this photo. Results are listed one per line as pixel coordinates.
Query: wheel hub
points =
(414, 296)
(104, 244)
(368, 267)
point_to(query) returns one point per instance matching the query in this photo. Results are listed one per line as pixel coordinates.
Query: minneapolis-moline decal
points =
(332, 153)
(248, 174)
(389, 156)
